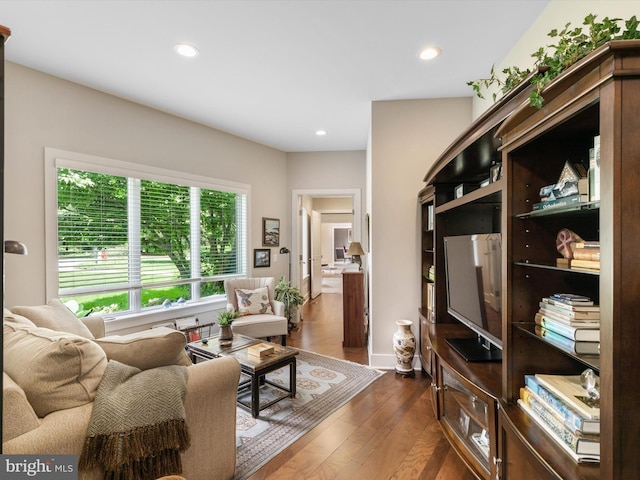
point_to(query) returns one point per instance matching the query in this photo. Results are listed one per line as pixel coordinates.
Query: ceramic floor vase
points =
(404, 346)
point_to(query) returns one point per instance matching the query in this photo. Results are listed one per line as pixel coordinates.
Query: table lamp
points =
(355, 250)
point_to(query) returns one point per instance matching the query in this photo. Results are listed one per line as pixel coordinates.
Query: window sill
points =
(205, 311)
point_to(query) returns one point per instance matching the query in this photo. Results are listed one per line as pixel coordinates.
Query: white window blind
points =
(128, 244)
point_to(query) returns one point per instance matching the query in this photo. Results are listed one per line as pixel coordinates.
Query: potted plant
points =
(225, 319)
(292, 299)
(571, 44)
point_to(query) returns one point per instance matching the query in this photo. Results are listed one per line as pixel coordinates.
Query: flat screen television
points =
(473, 265)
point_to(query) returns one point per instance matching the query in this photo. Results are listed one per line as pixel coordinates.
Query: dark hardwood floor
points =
(388, 431)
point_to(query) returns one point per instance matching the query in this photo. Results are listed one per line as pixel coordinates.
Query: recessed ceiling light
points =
(429, 53)
(321, 133)
(186, 50)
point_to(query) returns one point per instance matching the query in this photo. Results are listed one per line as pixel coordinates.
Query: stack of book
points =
(571, 322)
(563, 408)
(586, 256)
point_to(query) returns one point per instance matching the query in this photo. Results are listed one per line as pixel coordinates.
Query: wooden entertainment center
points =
(476, 402)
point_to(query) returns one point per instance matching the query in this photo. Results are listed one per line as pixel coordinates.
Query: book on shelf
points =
(430, 216)
(585, 244)
(431, 273)
(582, 333)
(575, 421)
(576, 319)
(565, 313)
(577, 442)
(567, 320)
(572, 305)
(569, 389)
(578, 458)
(431, 296)
(590, 264)
(583, 186)
(594, 170)
(572, 298)
(579, 348)
(592, 254)
(560, 202)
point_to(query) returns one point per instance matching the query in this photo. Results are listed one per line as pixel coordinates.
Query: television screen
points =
(474, 279)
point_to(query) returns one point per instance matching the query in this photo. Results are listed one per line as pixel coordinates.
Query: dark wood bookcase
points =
(599, 95)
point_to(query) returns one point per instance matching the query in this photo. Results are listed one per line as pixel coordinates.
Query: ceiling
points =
(270, 71)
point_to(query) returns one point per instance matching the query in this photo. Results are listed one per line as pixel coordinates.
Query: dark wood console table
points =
(353, 309)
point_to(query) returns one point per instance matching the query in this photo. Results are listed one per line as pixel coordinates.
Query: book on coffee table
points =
(260, 350)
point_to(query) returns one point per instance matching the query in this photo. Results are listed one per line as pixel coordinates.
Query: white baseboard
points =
(388, 362)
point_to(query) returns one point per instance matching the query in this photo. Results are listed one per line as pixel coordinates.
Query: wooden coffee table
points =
(254, 369)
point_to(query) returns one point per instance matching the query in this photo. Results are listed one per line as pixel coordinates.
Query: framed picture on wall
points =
(270, 232)
(261, 257)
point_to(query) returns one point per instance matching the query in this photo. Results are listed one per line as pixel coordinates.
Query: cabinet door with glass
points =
(468, 418)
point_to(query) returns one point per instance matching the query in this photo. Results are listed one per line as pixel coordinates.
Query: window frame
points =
(55, 158)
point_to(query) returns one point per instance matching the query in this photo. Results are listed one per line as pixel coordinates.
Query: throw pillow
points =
(252, 302)
(151, 348)
(56, 370)
(9, 316)
(55, 316)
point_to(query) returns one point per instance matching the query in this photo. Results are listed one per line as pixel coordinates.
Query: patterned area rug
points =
(323, 385)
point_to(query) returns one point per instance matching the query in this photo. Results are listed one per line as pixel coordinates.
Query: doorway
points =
(319, 208)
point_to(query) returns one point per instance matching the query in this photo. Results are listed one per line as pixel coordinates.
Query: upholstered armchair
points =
(260, 314)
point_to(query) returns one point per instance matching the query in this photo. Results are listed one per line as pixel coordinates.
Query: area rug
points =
(323, 385)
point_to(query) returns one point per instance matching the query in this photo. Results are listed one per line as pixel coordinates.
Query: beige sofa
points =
(53, 363)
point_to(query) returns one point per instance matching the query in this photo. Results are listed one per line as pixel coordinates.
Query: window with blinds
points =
(128, 244)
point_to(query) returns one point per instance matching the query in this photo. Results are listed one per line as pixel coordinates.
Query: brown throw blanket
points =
(137, 427)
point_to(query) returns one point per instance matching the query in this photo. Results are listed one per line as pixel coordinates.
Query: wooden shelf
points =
(553, 267)
(481, 197)
(598, 96)
(589, 361)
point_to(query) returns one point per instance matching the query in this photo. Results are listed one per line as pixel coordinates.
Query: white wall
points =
(555, 15)
(45, 111)
(406, 138)
(327, 172)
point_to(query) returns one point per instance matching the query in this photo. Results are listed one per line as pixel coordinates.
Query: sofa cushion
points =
(18, 416)
(9, 316)
(151, 348)
(56, 370)
(252, 302)
(55, 316)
